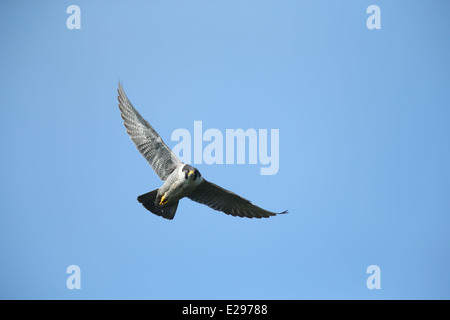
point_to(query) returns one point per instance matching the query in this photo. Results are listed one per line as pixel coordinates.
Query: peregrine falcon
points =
(180, 179)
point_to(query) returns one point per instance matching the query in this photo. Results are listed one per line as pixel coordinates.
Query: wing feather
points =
(226, 201)
(148, 142)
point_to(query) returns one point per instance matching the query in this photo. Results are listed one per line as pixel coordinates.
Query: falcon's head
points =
(190, 173)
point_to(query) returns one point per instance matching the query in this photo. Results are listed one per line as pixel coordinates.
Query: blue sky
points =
(364, 123)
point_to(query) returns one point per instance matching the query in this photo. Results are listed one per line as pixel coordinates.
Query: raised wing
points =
(148, 142)
(226, 201)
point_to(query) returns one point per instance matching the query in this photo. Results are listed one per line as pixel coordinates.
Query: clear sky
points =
(364, 125)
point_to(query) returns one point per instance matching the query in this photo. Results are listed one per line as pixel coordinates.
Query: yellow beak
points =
(190, 173)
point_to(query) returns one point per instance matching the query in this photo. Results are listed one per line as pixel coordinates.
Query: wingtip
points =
(121, 96)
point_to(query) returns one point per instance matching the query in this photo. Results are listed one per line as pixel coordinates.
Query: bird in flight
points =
(180, 179)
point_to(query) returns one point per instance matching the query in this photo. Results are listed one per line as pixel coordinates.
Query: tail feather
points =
(150, 203)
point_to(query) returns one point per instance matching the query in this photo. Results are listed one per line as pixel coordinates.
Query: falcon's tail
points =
(150, 203)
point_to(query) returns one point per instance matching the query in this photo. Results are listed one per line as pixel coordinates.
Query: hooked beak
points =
(190, 173)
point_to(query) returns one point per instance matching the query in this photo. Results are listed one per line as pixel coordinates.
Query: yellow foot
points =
(163, 201)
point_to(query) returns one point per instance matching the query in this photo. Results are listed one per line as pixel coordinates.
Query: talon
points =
(163, 200)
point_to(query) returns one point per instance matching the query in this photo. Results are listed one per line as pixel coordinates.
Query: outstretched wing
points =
(146, 139)
(226, 201)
